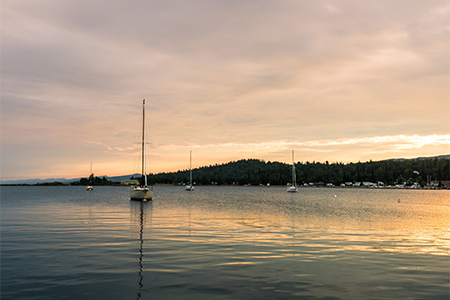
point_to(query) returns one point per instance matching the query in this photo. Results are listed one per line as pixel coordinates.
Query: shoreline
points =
(230, 185)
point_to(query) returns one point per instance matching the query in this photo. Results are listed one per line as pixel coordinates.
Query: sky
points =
(338, 81)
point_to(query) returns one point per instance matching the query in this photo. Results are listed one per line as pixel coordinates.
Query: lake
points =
(224, 243)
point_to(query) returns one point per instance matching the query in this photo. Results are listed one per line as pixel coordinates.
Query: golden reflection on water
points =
(419, 224)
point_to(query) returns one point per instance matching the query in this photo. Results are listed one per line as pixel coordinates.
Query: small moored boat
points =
(91, 178)
(189, 186)
(293, 188)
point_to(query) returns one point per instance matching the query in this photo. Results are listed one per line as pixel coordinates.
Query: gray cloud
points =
(224, 71)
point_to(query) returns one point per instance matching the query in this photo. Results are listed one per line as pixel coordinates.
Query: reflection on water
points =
(139, 211)
(227, 243)
(359, 221)
(141, 246)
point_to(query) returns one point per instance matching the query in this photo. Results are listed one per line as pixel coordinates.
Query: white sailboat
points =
(91, 176)
(293, 188)
(142, 191)
(189, 186)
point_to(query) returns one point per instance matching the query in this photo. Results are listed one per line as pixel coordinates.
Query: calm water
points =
(224, 243)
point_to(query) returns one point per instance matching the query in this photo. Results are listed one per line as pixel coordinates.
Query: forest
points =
(94, 181)
(255, 172)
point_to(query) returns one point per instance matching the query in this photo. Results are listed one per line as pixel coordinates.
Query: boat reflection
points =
(139, 212)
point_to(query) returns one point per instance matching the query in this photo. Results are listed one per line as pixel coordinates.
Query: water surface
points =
(224, 243)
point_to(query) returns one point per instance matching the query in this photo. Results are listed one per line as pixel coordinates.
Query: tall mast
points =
(190, 167)
(91, 177)
(293, 170)
(144, 169)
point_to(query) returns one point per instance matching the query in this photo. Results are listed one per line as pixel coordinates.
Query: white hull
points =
(292, 189)
(141, 193)
(189, 188)
(89, 188)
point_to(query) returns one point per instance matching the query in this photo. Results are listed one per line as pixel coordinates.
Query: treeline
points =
(94, 181)
(255, 172)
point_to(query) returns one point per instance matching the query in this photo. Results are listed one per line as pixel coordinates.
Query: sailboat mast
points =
(190, 167)
(91, 177)
(144, 169)
(293, 170)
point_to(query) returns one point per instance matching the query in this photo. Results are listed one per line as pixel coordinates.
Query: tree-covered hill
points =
(253, 171)
(94, 181)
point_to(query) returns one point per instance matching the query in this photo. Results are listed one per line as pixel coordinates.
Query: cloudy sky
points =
(339, 81)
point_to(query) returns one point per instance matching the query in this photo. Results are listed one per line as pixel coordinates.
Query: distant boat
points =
(91, 176)
(293, 188)
(142, 192)
(189, 186)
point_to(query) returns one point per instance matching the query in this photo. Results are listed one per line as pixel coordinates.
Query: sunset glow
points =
(335, 81)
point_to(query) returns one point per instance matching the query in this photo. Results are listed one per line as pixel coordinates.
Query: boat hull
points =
(292, 189)
(141, 193)
(89, 188)
(189, 188)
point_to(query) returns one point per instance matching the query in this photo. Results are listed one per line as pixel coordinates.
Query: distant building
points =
(445, 183)
(129, 182)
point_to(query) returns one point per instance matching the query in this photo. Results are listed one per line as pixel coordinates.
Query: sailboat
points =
(189, 186)
(91, 176)
(142, 192)
(293, 188)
